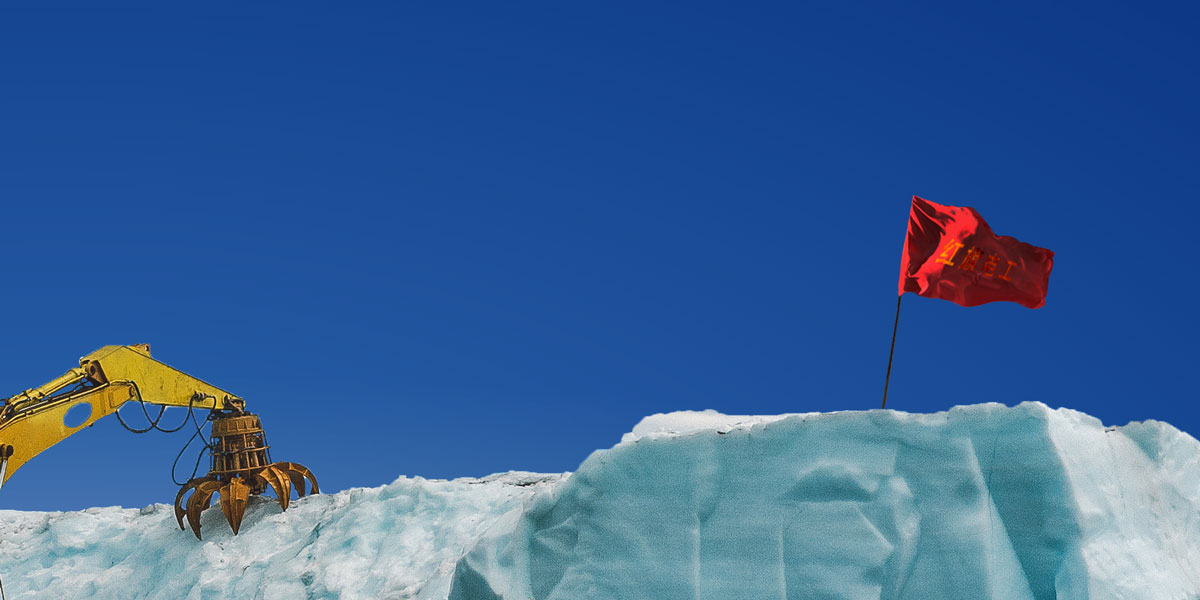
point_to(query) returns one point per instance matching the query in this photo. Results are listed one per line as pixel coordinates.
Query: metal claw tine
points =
(199, 501)
(297, 481)
(179, 510)
(279, 482)
(233, 502)
(301, 469)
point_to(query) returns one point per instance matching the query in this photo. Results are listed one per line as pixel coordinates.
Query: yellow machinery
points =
(36, 419)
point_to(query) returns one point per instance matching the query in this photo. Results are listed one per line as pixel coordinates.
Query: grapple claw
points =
(240, 468)
(199, 501)
(279, 482)
(234, 497)
(297, 482)
(297, 472)
(179, 510)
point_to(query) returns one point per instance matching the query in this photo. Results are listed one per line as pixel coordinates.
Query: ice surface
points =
(978, 502)
(396, 541)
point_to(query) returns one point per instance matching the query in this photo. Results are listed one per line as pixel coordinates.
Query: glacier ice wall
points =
(978, 502)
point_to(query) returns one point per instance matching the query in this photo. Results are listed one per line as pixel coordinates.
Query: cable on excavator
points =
(154, 422)
(153, 426)
(206, 444)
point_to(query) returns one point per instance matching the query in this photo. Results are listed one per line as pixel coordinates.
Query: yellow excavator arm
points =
(36, 419)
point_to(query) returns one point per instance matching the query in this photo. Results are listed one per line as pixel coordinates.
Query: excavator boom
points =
(38, 418)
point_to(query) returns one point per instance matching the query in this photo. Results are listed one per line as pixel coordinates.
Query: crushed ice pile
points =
(981, 501)
(396, 541)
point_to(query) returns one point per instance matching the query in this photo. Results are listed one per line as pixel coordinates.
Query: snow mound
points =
(977, 502)
(688, 421)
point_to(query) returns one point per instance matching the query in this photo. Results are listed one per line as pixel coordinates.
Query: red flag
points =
(952, 254)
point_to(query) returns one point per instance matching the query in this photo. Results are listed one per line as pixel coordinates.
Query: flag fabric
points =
(952, 254)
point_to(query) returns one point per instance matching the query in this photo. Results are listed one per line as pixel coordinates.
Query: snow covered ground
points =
(396, 541)
(980, 501)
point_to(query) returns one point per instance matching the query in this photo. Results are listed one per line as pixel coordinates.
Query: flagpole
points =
(888, 377)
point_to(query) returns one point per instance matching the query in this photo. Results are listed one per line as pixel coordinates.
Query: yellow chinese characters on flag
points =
(951, 253)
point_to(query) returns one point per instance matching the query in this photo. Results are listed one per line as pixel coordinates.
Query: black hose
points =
(153, 422)
(206, 443)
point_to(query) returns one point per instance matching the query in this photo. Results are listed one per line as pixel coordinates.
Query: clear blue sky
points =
(452, 240)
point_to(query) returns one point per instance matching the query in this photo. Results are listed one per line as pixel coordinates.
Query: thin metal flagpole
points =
(895, 326)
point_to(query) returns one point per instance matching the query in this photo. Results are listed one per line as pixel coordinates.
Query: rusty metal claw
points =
(297, 472)
(234, 497)
(297, 482)
(179, 510)
(273, 476)
(199, 501)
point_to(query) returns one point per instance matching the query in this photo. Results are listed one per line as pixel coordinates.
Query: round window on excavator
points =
(77, 415)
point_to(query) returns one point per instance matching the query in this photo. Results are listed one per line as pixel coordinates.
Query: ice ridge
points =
(981, 501)
(396, 541)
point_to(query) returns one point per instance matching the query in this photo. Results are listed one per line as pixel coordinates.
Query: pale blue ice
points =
(978, 502)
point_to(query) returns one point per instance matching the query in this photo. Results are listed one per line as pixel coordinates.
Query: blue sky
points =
(453, 240)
